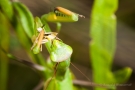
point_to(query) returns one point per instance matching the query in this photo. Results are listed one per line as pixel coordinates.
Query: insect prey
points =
(43, 37)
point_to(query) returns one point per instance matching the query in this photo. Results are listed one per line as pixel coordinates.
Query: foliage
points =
(103, 44)
(102, 47)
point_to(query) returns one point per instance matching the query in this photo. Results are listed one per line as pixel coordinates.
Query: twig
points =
(87, 83)
(28, 63)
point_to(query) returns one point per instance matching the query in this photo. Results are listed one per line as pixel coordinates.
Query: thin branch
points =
(28, 63)
(89, 84)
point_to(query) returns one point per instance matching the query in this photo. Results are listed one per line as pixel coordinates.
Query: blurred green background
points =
(76, 35)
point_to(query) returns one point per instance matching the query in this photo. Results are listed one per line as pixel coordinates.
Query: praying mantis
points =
(60, 52)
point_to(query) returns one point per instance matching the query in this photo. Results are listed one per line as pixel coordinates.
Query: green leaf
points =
(123, 75)
(7, 9)
(103, 43)
(26, 18)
